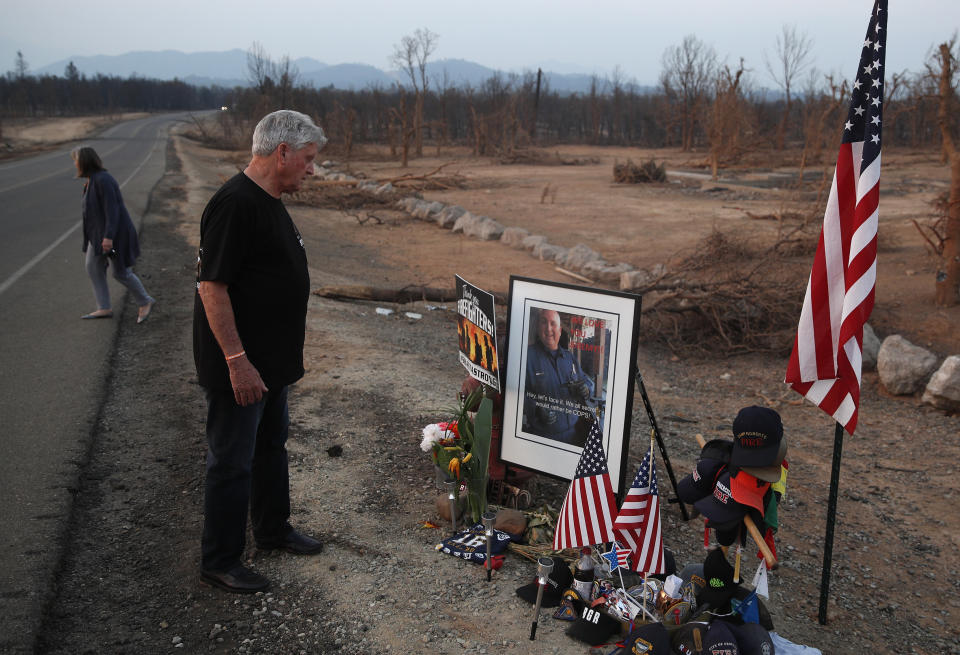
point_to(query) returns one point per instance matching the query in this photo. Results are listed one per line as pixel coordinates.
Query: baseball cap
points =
(594, 627)
(757, 434)
(648, 639)
(764, 614)
(669, 565)
(693, 582)
(718, 449)
(753, 639)
(720, 507)
(689, 639)
(720, 640)
(773, 472)
(677, 614)
(719, 576)
(748, 490)
(728, 532)
(700, 482)
(558, 581)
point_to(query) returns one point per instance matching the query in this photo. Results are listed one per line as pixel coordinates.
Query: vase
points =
(476, 489)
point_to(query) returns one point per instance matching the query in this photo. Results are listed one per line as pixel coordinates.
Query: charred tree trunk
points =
(536, 108)
(418, 124)
(948, 276)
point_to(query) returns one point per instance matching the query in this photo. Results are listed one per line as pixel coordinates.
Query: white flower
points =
(431, 434)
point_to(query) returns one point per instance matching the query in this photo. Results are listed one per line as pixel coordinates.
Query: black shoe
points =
(294, 542)
(238, 580)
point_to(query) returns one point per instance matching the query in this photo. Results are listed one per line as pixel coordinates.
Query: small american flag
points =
(588, 511)
(623, 554)
(638, 523)
(617, 556)
(826, 360)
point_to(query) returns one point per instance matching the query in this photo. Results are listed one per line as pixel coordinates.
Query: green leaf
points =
(482, 433)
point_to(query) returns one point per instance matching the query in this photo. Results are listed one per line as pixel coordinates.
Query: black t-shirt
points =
(249, 242)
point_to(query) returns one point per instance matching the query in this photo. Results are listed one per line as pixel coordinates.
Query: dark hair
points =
(88, 161)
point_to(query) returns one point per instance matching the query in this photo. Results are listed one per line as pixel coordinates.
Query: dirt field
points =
(25, 135)
(380, 586)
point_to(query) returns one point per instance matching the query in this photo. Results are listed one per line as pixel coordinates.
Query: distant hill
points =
(346, 76)
(229, 68)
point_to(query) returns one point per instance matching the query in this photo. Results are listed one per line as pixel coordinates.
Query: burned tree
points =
(688, 72)
(944, 65)
(727, 119)
(792, 57)
(411, 56)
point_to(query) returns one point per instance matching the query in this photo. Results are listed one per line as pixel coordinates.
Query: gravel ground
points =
(130, 584)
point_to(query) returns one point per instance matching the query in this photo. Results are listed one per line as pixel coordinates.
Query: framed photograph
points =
(570, 356)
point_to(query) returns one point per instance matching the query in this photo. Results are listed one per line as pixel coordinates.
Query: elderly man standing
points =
(557, 392)
(248, 333)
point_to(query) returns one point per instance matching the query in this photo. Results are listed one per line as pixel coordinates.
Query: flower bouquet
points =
(461, 448)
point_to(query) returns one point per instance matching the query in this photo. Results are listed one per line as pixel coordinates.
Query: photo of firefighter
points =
(568, 357)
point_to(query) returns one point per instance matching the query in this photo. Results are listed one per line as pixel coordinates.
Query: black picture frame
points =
(602, 328)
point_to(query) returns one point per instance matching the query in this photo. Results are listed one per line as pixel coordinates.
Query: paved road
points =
(53, 367)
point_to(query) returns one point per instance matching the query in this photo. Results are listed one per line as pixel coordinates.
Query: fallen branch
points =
(369, 217)
(898, 470)
(339, 182)
(576, 276)
(411, 293)
(412, 178)
(762, 217)
(933, 247)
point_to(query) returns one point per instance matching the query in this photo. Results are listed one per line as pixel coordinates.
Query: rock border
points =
(903, 368)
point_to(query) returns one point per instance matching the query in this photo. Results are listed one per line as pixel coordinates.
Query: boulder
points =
(464, 220)
(425, 209)
(579, 256)
(449, 215)
(871, 348)
(943, 390)
(549, 252)
(904, 368)
(514, 237)
(386, 187)
(478, 226)
(634, 279)
(510, 520)
(487, 229)
(407, 204)
(604, 272)
(533, 242)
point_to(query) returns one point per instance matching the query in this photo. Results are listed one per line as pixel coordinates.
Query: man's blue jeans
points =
(246, 468)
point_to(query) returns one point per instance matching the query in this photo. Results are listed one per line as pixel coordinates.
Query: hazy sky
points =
(588, 36)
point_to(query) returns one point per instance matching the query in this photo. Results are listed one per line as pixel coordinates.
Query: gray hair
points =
(286, 126)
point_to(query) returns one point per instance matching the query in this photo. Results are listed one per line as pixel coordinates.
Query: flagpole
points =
(831, 520)
(646, 589)
(656, 432)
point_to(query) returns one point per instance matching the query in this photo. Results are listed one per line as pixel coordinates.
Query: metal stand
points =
(544, 567)
(831, 523)
(488, 518)
(660, 444)
(451, 487)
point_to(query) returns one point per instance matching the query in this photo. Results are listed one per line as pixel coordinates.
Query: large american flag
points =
(638, 523)
(589, 510)
(826, 360)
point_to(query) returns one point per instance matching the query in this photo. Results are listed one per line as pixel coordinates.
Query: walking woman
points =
(109, 237)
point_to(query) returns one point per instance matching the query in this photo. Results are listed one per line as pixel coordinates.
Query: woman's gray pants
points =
(97, 270)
